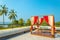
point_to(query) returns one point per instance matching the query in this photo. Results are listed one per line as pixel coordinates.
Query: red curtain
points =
(35, 19)
(46, 19)
(41, 20)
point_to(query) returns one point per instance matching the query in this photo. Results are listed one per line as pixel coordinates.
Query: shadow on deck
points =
(13, 35)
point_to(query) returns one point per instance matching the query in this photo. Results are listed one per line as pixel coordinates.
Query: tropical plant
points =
(15, 22)
(44, 23)
(28, 22)
(57, 24)
(21, 22)
(3, 11)
(12, 15)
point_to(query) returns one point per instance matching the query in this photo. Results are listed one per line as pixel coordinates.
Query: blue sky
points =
(27, 8)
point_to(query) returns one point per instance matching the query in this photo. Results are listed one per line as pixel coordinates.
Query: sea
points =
(5, 24)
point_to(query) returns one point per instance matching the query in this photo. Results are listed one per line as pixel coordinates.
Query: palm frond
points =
(12, 14)
(0, 12)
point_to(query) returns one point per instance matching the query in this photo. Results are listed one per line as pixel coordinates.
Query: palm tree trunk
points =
(12, 23)
(3, 19)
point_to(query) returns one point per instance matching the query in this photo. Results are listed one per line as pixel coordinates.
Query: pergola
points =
(36, 20)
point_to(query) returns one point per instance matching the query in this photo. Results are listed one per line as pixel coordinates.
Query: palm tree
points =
(3, 11)
(12, 15)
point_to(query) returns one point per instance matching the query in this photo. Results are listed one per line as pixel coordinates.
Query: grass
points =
(11, 27)
(57, 25)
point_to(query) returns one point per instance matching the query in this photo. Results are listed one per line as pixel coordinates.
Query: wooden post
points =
(53, 28)
(37, 27)
(53, 31)
(31, 28)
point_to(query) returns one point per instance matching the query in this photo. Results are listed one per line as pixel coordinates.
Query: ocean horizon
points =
(1, 24)
(5, 22)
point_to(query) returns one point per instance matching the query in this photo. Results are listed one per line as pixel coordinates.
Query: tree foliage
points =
(12, 15)
(28, 22)
(44, 23)
(15, 22)
(57, 23)
(21, 21)
(3, 11)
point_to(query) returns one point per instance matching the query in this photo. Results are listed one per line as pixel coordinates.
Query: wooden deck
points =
(46, 33)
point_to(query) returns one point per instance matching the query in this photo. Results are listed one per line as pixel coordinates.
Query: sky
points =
(27, 8)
